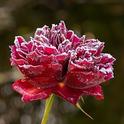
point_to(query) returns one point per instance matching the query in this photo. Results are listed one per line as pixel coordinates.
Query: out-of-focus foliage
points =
(103, 18)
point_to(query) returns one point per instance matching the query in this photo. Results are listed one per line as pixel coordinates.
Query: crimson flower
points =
(57, 61)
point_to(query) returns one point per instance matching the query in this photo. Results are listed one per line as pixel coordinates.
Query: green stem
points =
(48, 106)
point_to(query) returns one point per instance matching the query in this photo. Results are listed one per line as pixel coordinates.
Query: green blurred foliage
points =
(104, 19)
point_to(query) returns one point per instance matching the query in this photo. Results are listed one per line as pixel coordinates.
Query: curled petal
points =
(62, 58)
(73, 95)
(69, 34)
(75, 41)
(18, 41)
(30, 70)
(107, 58)
(46, 75)
(83, 79)
(18, 61)
(50, 50)
(29, 92)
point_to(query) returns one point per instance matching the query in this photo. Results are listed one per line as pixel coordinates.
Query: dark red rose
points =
(57, 61)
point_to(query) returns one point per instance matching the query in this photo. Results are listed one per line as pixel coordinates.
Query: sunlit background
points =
(103, 19)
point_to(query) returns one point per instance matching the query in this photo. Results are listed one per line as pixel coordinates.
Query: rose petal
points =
(29, 92)
(94, 91)
(46, 75)
(18, 41)
(69, 94)
(69, 34)
(107, 58)
(73, 95)
(79, 79)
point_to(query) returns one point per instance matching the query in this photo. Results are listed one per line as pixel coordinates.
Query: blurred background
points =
(103, 19)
